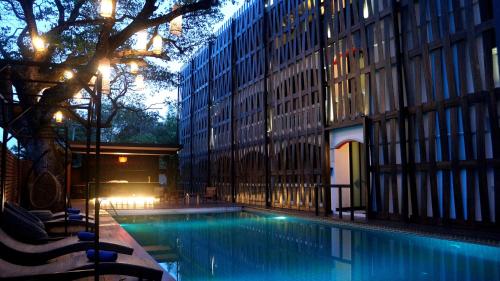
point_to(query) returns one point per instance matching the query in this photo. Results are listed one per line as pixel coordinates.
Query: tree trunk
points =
(45, 183)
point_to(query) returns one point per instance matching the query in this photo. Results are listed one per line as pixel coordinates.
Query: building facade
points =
(380, 108)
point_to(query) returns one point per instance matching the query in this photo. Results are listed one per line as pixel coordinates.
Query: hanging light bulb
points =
(58, 116)
(105, 70)
(176, 24)
(38, 43)
(142, 40)
(134, 68)
(68, 74)
(106, 8)
(157, 44)
(139, 82)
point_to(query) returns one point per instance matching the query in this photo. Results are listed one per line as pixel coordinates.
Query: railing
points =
(113, 208)
(339, 188)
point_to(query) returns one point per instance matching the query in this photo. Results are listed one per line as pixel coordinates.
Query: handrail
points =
(113, 208)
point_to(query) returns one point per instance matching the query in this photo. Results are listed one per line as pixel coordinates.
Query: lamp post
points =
(97, 171)
(59, 118)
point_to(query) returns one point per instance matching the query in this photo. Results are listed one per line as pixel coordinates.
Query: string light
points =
(106, 8)
(105, 70)
(142, 40)
(58, 116)
(68, 74)
(134, 68)
(38, 43)
(157, 44)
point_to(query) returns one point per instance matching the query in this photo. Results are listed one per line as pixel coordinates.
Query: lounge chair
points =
(47, 215)
(50, 223)
(28, 254)
(77, 265)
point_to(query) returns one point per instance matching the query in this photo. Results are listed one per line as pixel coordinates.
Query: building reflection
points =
(251, 247)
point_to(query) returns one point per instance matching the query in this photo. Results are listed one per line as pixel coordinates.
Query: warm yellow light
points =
(58, 116)
(127, 202)
(134, 68)
(142, 40)
(68, 74)
(157, 44)
(176, 24)
(78, 96)
(38, 43)
(106, 8)
(122, 159)
(105, 70)
(139, 82)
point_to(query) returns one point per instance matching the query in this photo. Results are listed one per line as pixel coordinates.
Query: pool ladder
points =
(114, 209)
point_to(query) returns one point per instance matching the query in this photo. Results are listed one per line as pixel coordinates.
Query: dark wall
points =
(137, 169)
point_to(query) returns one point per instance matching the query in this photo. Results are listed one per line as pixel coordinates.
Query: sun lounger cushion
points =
(85, 236)
(73, 211)
(75, 217)
(23, 212)
(104, 256)
(22, 228)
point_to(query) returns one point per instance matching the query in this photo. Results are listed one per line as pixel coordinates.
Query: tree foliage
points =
(77, 39)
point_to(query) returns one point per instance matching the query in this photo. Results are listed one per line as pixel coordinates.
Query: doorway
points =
(348, 175)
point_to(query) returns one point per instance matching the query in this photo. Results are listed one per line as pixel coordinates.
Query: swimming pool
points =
(243, 246)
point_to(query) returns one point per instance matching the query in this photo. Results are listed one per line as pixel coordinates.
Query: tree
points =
(77, 39)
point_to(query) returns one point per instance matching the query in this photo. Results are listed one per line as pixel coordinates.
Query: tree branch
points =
(60, 9)
(14, 9)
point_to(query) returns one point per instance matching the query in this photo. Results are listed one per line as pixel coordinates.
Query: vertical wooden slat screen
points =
(422, 77)
(296, 134)
(221, 112)
(201, 94)
(185, 127)
(250, 104)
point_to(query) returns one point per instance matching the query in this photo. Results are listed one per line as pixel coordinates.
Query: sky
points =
(158, 97)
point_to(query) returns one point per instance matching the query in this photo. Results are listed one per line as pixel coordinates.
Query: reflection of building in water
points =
(227, 248)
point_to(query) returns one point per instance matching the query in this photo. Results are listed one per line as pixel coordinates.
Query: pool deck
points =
(110, 228)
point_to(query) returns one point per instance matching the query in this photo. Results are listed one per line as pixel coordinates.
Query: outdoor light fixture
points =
(134, 67)
(105, 70)
(139, 82)
(58, 116)
(122, 159)
(176, 24)
(68, 74)
(157, 44)
(142, 40)
(38, 43)
(106, 9)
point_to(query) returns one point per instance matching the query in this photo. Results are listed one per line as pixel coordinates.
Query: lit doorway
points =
(348, 174)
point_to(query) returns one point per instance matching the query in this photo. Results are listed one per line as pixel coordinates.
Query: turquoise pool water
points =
(245, 246)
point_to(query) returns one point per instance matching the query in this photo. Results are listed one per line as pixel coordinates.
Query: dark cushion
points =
(104, 256)
(85, 236)
(75, 217)
(21, 228)
(24, 213)
(73, 211)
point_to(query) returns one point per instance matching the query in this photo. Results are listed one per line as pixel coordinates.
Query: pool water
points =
(243, 246)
